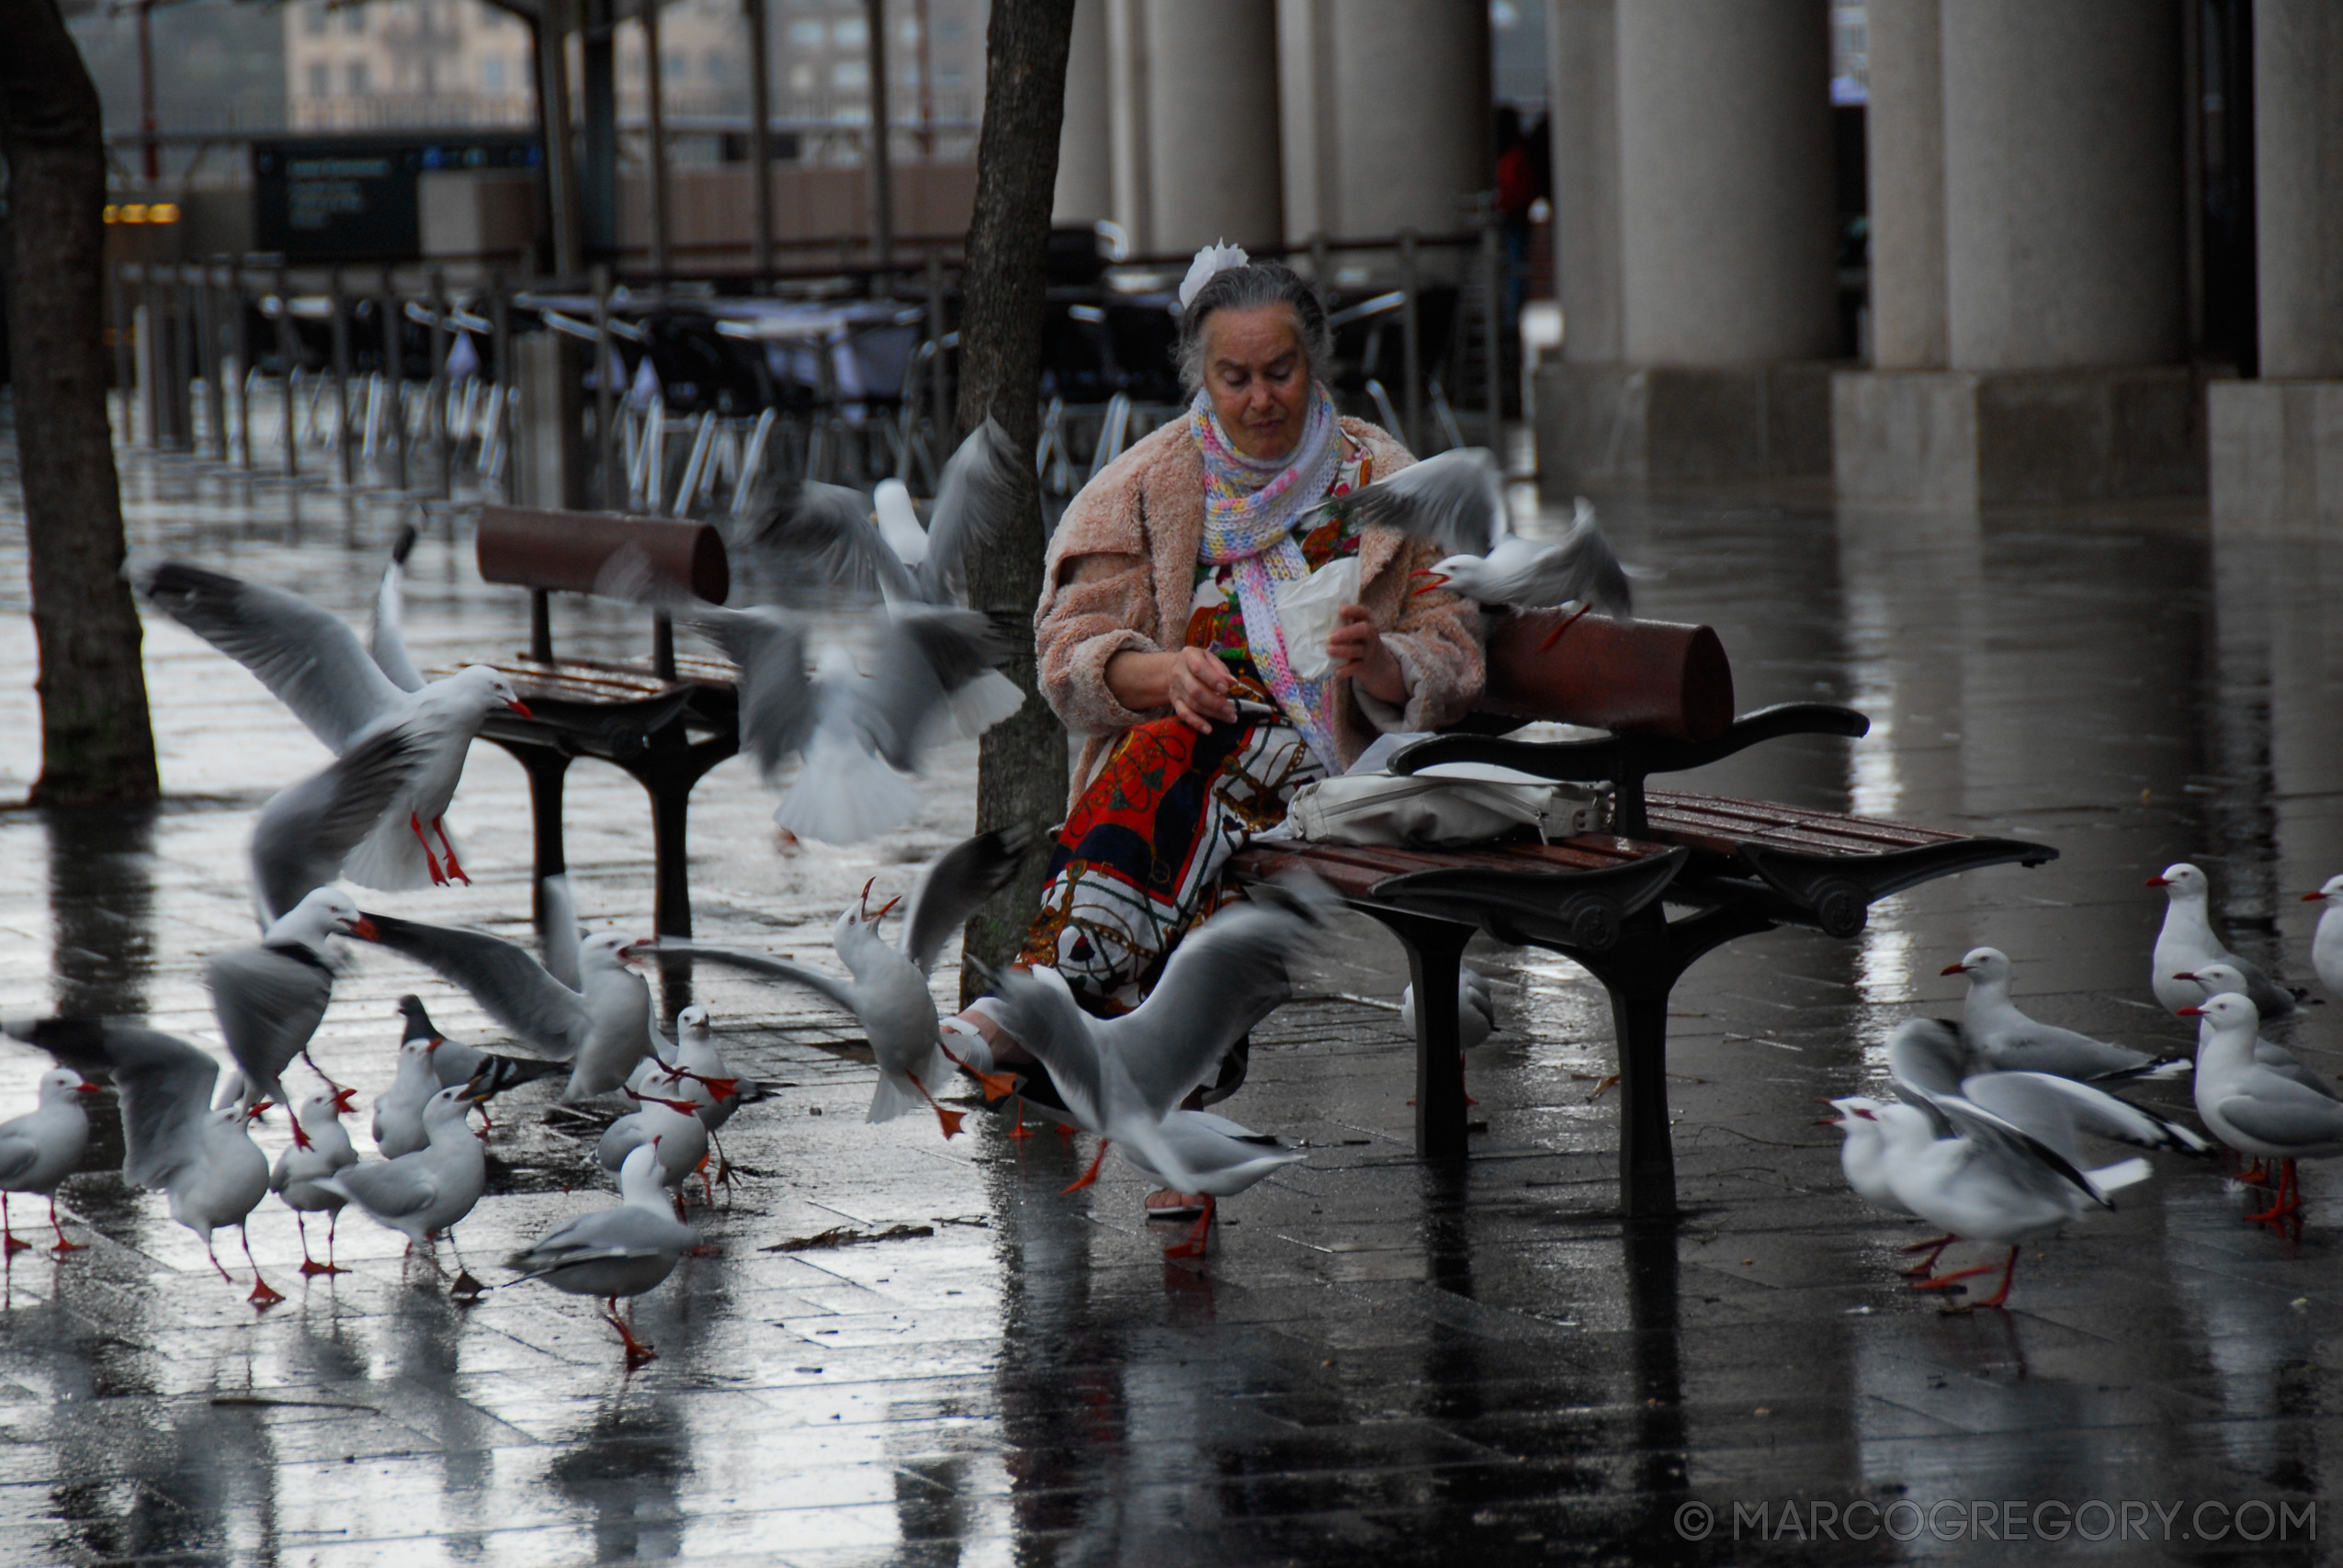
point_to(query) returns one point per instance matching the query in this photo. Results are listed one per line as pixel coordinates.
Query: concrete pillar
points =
(1727, 211)
(2298, 186)
(2062, 184)
(1904, 123)
(1582, 66)
(1696, 240)
(1193, 115)
(2063, 257)
(1085, 163)
(2277, 442)
(1385, 114)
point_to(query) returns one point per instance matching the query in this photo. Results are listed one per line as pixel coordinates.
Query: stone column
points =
(1085, 166)
(1582, 73)
(1385, 114)
(2062, 184)
(1195, 153)
(2062, 255)
(1905, 124)
(2277, 442)
(1695, 225)
(1727, 212)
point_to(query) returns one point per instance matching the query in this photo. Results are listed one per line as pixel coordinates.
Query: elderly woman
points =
(1161, 643)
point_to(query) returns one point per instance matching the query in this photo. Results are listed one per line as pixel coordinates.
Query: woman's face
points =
(1258, 378)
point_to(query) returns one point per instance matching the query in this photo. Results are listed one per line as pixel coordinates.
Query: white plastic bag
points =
(1308, 612)
(1452, 805)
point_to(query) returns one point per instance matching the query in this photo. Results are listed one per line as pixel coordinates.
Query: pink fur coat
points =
(1122, 576)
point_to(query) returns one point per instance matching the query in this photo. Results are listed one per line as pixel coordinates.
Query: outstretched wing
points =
(984, 484)
(164, 1085)
(822, 536)
(2026, 1153)
(777, 696)
(1582, 567)
(956, 886)
(309, 659)
(829, 985)
(513, 988)
(1224, 977)
(924, 655)
(269, 1001)
(2028, 1099)
(1039, 1013)
(1456, 499)
(388, 641)
(307, 830)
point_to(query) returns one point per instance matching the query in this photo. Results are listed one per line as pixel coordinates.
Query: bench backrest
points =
(548, 552)
(1642, 677)
(565, 551)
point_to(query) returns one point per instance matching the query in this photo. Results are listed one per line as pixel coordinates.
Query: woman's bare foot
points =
(1165, 1205)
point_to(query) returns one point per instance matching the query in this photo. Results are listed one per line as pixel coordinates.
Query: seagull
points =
(2327, 942)
(2215, 978)
(680, 1136)
(888, 990)
(454, 1063)
(697, 1077)
(422, 1194)
(1862, 1157)
(1123, 1079)
(1456, 501)
(1475, 1008)
(601, 1029)
(1219, 1159)
(1928, 1062)
(316, 667)
(2006, 1173)
(270, 999)
(2002, 1038)
(173, 1142)
(386, 639)
(2257, 1110)
(624, 1250)
(41, 1148)
(2187, 941)
(321, 1148)
(398, 1111)
(309, 829)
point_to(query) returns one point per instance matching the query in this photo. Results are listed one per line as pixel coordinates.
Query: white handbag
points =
(1444, 806)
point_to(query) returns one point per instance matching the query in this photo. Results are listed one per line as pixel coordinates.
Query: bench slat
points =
(1771, 811)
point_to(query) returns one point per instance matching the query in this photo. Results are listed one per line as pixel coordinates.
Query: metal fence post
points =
(394, 370)
(241, 335)
(1493, 318)
(443, 438)
(342, 380)
(288, 356)
(605, 442)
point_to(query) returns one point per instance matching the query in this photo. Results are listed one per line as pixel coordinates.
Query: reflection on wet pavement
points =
(1380, 1361)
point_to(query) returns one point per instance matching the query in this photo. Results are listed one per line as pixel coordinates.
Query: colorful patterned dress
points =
(1140, 857)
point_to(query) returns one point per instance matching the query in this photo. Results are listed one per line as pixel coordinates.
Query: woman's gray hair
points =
(1246, 288)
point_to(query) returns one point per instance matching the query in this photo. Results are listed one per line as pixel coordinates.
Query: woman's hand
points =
(1359, 651)
(1188, 681)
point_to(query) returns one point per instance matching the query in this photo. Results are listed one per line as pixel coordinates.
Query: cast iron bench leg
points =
(1435, 954)
(1646, 1147)
(548, 768)
(670, 804)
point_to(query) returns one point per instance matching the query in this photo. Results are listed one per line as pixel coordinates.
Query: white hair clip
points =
(1217, 257)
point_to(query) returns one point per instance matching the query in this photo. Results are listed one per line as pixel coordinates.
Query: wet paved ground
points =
(1380, 1361)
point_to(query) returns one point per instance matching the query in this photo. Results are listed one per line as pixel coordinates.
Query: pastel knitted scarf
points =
(1250, 506)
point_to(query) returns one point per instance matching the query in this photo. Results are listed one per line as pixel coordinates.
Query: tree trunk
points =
(95, 743)
(1022, 766)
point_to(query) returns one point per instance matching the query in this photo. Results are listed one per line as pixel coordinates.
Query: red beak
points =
(884, 907)
(865, 898)
(254, 1114)
(436, 1042)
(520, 707)
(87, 1089)
(2159, 881)
(345, 1100)
(363, 928)
(2186, 975)
(2190, 1012)
(1954, 969)
(1829, 1121)
(1434, 580)
(2313, 897)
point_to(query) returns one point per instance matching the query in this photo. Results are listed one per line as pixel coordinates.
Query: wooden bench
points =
(1664, 693)
(663, 719)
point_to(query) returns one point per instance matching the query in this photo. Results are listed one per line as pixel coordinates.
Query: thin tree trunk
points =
(95, 742)
(1022, 766)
